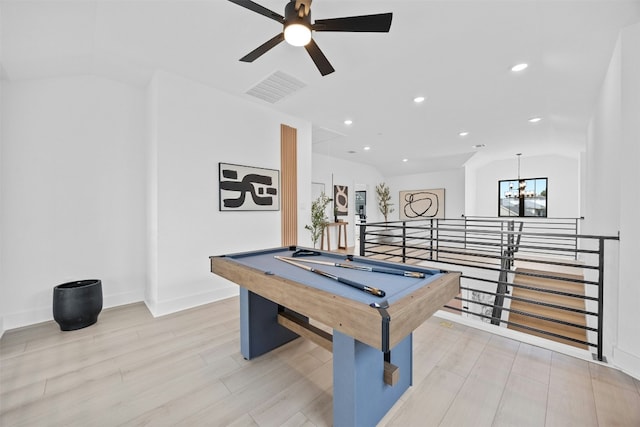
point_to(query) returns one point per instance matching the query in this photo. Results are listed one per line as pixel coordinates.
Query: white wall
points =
(105, 180)
(451, 180)
(195, 127)
(563, 173)
(363, 177)
(3, 308)
(627, 351)
(73, 174)
(612, 163)
(602, 193)
(356, 176)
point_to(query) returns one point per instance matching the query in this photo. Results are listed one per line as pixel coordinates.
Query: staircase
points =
(561, 300)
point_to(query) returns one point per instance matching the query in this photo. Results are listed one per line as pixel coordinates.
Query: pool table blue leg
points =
(259, 328)
(360, 396)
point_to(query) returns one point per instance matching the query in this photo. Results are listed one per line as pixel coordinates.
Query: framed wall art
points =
(341, 200)
(421, 204)
(248, 188)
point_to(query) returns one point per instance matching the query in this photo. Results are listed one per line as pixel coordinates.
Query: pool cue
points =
(414, 274)
(368, 289)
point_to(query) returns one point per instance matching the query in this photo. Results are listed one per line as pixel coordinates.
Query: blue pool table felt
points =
(395, 286)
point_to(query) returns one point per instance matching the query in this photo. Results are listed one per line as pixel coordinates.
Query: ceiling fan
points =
(297, 29)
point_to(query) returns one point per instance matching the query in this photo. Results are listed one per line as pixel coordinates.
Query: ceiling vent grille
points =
(277, 86)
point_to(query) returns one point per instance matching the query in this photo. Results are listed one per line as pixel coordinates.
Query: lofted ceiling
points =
(457, 54)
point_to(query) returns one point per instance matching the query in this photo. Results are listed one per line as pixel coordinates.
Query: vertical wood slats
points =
(289, 185)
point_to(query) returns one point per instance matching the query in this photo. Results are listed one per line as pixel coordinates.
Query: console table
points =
(342, 229)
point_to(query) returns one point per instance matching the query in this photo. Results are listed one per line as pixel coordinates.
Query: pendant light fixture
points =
(522, 186)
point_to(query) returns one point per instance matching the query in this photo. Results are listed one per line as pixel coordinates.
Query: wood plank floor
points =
(130, 369)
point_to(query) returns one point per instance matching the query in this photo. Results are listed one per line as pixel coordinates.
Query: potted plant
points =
(319, 218)
(385, 207)
(384, 200)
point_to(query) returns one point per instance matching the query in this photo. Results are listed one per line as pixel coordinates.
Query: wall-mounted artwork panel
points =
(248, 188)
(421, 204)
(341, 199)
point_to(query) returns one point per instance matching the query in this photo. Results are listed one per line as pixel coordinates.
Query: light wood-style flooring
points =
(185, 369)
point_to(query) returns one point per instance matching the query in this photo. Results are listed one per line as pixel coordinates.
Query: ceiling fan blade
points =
(319, 59)
(263, 48)
(379, 23)
(248, 4)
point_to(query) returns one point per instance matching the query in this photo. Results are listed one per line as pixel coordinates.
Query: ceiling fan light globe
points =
(297, 34)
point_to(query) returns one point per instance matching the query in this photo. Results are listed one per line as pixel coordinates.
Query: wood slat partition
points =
(289, 185)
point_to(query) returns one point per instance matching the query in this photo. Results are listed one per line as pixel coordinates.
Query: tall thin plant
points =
(319, 218)
(384, 200)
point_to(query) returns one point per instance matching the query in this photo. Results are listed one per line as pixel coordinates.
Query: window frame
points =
(522, 208)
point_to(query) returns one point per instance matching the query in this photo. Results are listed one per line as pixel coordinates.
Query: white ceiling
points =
(457, 54)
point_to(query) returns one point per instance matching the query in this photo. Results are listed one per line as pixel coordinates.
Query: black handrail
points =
(484, 245)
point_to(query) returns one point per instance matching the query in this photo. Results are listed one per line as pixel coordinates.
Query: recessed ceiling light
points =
(348, 122)
(405, 160)
(478, 146)
(463, 133)
(519, 67)
(535, 119)
(418, 99)
(367, 148)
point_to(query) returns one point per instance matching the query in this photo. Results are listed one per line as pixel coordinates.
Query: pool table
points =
(371, 337)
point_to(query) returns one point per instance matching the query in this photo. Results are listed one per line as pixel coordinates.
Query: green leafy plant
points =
(319, 218)
(384, 200)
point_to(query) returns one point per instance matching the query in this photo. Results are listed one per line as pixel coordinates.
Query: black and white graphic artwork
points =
(246, 188)
(341, 199)
(422, 204)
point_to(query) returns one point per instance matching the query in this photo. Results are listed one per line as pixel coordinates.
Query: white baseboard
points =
(122, 299)
(45, 314)
(626, 362)
(162, 308)
(27, 318)
(519, 336)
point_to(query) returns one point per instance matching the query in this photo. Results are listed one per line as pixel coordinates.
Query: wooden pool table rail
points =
(350, 317)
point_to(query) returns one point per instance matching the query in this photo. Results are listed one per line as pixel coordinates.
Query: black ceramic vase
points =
(77, 304)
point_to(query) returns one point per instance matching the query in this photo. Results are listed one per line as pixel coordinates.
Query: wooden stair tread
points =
(561, 300)
(547, 325)
(567, 316)
(550, 284)
(550, 273)
(572, 288)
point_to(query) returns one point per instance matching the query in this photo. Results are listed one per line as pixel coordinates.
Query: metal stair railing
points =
(479, 246)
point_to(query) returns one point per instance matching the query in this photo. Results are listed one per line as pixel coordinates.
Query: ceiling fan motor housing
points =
(300, 15)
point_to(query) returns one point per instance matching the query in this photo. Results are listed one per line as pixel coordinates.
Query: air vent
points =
(277, 86)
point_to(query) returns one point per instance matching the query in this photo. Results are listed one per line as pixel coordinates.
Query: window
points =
(524, 197)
